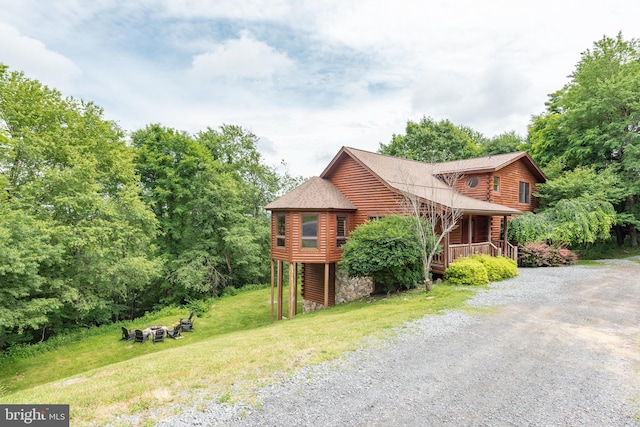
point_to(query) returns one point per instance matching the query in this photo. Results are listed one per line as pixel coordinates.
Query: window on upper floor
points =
(496, 184)
(280, 230)
(309, 231)
(341, 230)
(524, 193)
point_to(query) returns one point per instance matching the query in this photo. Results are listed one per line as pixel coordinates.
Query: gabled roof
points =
(489, 164)
(315, 193)
(416, 178)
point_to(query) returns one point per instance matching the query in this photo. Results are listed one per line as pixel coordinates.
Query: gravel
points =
(560, 349)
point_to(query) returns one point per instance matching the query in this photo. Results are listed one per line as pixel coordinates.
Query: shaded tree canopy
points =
(431, 141)
(594, 121)
(77, 239)
(434, 141)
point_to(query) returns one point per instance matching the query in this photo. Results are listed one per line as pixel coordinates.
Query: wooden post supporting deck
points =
(280, 299)
(272, 279)
(326, 285)
(293, 289)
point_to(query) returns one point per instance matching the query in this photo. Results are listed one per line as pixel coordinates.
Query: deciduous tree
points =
(594, 120)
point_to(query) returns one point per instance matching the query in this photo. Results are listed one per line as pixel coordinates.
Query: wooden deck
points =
(453, 252)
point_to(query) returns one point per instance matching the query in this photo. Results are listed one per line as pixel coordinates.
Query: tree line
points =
(96, 227)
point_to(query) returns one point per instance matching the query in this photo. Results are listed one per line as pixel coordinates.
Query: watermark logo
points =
(34, 415)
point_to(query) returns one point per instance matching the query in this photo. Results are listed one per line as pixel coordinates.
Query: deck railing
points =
(463, 250)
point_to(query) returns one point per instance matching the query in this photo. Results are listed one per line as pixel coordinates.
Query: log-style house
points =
(311, 223)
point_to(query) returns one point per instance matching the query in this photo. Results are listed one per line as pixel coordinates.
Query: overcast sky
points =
(308, 77)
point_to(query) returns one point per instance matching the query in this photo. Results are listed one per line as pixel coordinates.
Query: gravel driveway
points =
(562, 348)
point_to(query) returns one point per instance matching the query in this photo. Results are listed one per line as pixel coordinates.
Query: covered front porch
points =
(475, 234)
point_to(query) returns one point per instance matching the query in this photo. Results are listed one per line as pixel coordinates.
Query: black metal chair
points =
(127, 335)
(158, 335)
(175, 333)
(187, 324)
(140, 336)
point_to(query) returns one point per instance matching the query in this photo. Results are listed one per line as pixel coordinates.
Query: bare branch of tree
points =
(436, 212)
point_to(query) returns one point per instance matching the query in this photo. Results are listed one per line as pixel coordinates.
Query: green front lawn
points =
(234, 348)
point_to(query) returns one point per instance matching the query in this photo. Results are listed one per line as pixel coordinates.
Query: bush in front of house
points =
(466, 272)
(544, 255)
(387, 250)
(498, 268)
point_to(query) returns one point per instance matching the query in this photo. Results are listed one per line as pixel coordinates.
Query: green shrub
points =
(466, 272)
(498, 268)
(200, 307)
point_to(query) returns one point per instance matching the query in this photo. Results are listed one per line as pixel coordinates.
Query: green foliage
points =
(581, 221)
(543, 255)
(530, 227)
(207, 192)
(199, 307)
(507, 142)
(568, 222)
(593, 122)
(93, 230)
(72, 214)
(387, 250)
(583, 183)
(466, 272)
(498, 268)
(431, 141)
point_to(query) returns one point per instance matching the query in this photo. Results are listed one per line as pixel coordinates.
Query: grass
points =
(234, 349)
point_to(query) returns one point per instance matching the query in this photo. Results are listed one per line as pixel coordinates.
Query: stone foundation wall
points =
(351, 289)
(346, 290)
(309, 306)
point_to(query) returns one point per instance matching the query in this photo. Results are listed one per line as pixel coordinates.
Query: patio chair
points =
(175, 333)
(127, 335)
(140, 336)
(187, 324)
(158, 335)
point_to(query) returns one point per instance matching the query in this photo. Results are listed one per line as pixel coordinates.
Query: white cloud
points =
(309, 76)
(23, 53)
(242, 58)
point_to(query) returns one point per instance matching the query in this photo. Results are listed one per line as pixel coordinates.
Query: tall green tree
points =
(67, 172)
(594, 120)
(434, 141)
(506, 142)
(208, 192)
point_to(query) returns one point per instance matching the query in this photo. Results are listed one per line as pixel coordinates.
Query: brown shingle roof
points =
(419, 179)
(315, 193)
(488, 163)
(409, 176)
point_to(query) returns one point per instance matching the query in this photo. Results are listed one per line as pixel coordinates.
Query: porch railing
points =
(462, 250)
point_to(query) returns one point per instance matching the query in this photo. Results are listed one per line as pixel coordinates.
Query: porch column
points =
(293, 289)
(326, 285)
(470, 232)
(504, 236)
(445, 258)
